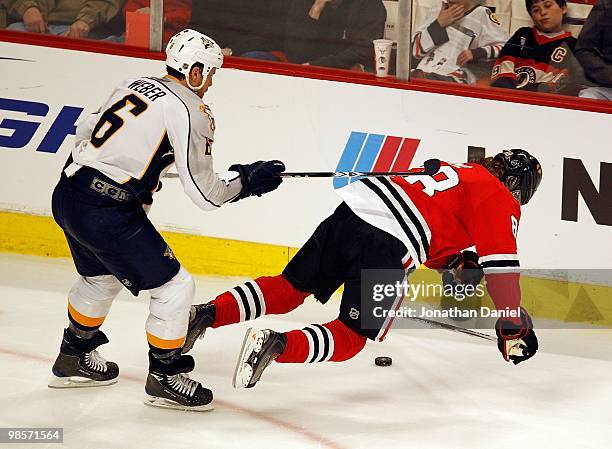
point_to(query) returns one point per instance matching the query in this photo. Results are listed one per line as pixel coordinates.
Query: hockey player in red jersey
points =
(393, 224)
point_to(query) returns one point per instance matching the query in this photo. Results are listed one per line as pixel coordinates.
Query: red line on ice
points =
(319, 439)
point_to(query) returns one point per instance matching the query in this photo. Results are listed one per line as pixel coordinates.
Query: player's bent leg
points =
(333, 341)
(79, 364)
(267, 295)
(168, 384)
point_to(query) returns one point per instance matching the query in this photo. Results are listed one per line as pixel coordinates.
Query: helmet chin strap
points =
(194, 88)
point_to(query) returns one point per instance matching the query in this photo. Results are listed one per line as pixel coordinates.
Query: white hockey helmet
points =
(188, 47)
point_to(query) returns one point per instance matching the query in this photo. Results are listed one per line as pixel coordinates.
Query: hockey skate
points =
(168, 386)
(201, 317)
(259, 349)
(79, 364)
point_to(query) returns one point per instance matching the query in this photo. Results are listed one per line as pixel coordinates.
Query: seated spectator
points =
(540, 58)
(249, 28)
(71, 18)
(177, 14)
(4, 6)
(594, 51)
(456, 37)
(334, 33)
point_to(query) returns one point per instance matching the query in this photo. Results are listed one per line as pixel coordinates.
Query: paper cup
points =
(382, 55)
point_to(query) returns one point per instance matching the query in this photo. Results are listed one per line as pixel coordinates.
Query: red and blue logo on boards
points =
(375, 152)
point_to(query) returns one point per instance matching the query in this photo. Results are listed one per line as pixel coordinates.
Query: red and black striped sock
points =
(268, 295)
(333, 341)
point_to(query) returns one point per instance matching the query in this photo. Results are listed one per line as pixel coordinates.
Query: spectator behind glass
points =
(72, 18)
(4, 6)
(455, 36)
(540, 58)
(334, 33)
(176, 14)
(249, 28)
(594, 51)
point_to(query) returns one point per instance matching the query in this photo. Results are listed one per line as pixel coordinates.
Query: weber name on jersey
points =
(180, 131)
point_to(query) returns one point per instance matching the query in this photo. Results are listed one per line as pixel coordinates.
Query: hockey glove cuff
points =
(259, 177)
(516, 342)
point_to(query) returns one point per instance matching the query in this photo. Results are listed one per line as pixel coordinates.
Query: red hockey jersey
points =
(463, 205)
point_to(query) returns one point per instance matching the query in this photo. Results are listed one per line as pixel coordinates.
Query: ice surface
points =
(444, 390)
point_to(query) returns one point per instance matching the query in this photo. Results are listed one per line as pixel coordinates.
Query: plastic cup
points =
(382, 55)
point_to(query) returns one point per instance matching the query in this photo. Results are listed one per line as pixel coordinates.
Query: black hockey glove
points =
(259, 177)
(462, 270)
(516, 342)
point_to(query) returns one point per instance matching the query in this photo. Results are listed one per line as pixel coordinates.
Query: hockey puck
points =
(383, 361)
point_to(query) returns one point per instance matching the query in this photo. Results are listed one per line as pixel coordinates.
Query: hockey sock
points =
(267, 295)
(333, 341)
(169, 307)
(89, 301)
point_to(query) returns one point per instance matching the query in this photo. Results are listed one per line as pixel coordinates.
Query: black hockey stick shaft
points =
(454, 328)
(430, 167)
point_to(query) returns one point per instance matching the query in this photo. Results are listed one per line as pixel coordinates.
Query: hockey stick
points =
(430, 168)
(454, 328)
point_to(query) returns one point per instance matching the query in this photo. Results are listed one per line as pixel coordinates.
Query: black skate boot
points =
(168, 385)
(201, 317)
(79, 364)
(259, 349)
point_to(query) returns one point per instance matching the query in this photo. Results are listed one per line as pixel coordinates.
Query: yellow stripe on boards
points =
(41, 236)
(543, 298)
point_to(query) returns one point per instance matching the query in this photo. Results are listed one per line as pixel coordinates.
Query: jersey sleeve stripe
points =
(396, 213)
(188, 143)
(492, 264)
(497, 257)
(415, 216)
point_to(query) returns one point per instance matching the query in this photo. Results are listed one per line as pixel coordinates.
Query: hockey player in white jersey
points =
(146, 126)
(454, 35)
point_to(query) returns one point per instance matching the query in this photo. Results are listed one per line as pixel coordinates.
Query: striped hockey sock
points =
(333, 341)
(268, 295)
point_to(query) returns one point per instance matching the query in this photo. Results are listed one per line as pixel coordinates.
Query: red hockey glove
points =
(516, 342)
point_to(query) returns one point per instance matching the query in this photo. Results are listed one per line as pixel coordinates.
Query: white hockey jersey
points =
(147, 125)
(438, 48)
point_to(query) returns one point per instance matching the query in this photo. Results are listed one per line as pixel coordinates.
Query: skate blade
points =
(243, 372)
(154, 401)
(78, 382)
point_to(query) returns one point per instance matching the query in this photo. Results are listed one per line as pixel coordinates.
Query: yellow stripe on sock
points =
(165, 344)
(85, 320)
